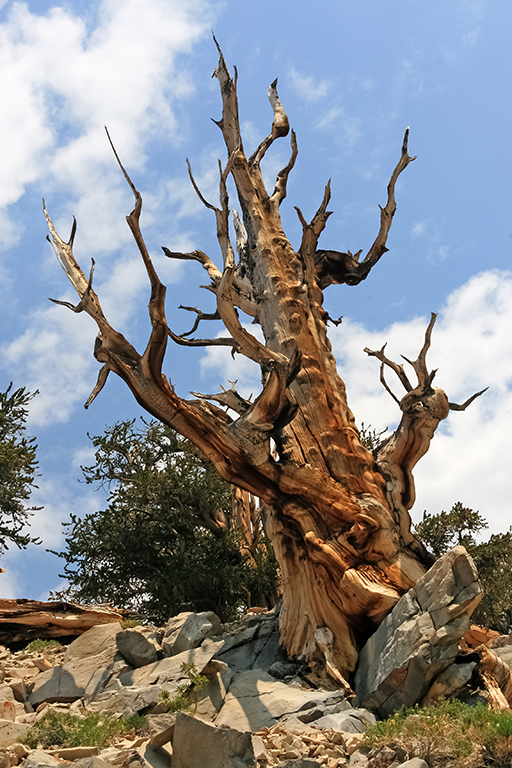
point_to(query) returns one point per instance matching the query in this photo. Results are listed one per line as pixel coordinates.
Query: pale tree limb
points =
(455, 407)
(279, 193)
(280, 126)
(248, 345)
(220, 341)
(229, 398)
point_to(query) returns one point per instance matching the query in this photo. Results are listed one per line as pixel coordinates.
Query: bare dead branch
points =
(80, 307)
(89, 301)
(155, 350)
(311, 232)
(200, 316)
(229, 398)
(280, 126)
(214, 273)
(385, 384)
(197, 190)
(222, 341)
(455, 407)
(396, 367)
(247, 343)
(338, 267)
(100, 383)
(420, 364)
(386, 214)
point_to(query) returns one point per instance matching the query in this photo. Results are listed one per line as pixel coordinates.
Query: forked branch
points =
(424, 377)
(337, 267)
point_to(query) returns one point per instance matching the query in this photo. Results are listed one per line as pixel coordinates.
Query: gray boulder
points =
(92, 761)
(40, 759)
(420, 637)
(188, 630)
(161, 728)
(89, 662)
(139, 646)
(255, 646)
(415, 762)
(210, 700)
(125, 701)
(11, 732)
(168, 670)
(198, 745)
(347, 721)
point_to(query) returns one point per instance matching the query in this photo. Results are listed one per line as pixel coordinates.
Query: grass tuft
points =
(448, 733)
(65, 729)
(41, 645)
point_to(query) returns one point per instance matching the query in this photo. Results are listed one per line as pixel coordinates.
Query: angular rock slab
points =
(11, 732)
(256, 646)
(188, 630)
(168, 670)
(198, 745)
(88, 663)
(256, 700)
(420, 637)
(139, 646)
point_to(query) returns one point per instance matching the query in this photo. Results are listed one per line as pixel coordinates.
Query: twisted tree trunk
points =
(337, 515)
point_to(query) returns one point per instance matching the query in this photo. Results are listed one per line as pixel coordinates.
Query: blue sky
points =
(352, 76)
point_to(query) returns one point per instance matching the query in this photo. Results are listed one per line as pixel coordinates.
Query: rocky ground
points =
(256, 708)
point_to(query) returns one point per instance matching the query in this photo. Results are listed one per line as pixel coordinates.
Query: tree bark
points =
(337, 515)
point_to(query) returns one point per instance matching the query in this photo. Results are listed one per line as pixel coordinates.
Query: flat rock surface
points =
(199, 745)
(256, 700)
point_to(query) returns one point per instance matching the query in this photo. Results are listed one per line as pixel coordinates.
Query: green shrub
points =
(448, 733)
(64, 729)
(41, 645)
(187, 691)
(131, 623)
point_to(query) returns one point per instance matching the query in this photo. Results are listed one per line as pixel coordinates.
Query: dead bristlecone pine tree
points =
(336, 514)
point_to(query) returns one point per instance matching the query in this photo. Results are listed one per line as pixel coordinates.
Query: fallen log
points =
(24, 620)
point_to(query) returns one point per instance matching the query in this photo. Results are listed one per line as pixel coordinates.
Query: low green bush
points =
(41, 645)
(65, 729)
(448, 733)
(187, 693)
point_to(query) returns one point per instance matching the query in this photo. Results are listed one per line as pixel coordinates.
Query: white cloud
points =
(9, 581)
(472, 349)
(348, 128)
(54, 347)
(307, 86)
(63, 84)
(418, 229)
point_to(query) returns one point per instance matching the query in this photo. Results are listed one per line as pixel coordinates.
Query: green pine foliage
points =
(164, 543)
(18, 467)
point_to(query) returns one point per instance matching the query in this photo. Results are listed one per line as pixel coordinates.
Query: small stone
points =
(352, 741)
